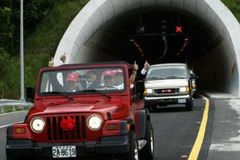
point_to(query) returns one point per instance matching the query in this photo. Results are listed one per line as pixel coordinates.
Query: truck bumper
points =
(107, 145)
(166, 100)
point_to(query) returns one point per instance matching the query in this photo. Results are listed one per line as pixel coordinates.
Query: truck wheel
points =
(152, 109)
(133, 153)
(147, 152)
(189, 105)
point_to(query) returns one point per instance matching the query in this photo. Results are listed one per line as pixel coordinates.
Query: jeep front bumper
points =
(107, 145)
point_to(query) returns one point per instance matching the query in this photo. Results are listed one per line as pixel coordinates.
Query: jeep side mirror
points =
(30, 92)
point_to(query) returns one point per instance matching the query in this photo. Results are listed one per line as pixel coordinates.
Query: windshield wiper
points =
(95, 91)
(58, 93)
(174, 77)
(155, 78)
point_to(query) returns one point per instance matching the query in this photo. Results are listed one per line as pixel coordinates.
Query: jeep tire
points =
(12, 157)
(147, 152)
(133, 153)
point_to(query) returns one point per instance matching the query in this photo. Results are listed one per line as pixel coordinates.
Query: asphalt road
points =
(175, 131)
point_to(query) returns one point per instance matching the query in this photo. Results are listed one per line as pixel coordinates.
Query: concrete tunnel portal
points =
(202, 34)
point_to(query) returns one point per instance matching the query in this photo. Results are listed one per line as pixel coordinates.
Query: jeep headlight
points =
(94, 122)
(184, 89)
(37, 124)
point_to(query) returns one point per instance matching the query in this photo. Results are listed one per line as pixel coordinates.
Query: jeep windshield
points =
(166, 72)
(82, 81)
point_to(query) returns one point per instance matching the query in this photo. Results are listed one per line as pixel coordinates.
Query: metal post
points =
(14, 108)
(2, 109)
(22, 97)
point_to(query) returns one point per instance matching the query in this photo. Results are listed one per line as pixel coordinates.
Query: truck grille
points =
(55, 132)
(166, 91)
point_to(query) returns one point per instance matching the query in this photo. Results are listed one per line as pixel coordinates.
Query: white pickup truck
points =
(169, 83)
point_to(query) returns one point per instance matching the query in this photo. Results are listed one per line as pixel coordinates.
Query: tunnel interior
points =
(164, 35)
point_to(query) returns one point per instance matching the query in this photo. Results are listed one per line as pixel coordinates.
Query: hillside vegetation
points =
(45, 23)
(44, 31)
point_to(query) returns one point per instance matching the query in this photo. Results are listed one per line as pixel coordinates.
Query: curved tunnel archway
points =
(146, 30)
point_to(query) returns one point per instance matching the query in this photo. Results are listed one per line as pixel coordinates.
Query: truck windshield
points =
(157, 73)
(77, 81)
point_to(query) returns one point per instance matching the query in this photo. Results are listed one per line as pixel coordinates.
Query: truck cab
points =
(84, 110)
(168, 83)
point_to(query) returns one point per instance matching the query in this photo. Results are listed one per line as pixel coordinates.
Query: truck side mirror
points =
(194, 76)
(30, 92)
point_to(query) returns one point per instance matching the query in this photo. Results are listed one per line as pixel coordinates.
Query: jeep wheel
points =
(133, 153)
(12, 157)
(147, 152)
(189, 105)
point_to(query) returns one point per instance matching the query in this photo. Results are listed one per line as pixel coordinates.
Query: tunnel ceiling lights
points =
(138, 46)
(186, 40)
(163, 33)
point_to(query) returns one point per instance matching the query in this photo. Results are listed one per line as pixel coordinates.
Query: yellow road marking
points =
(201, 133)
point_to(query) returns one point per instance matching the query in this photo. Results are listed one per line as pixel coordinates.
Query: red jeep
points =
(84, 110)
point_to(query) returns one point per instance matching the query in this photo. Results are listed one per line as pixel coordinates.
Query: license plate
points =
(64, 151)
(181, 100)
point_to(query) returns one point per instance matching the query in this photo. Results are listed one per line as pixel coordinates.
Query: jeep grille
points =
(55, 132)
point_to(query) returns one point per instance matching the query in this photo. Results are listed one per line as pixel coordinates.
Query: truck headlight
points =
(184, 89)
(37, 124)
(94, 122)
(148, 91)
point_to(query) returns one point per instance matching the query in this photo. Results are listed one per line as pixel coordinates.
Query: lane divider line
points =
(201, 133)
(4, 126)
(17, 112)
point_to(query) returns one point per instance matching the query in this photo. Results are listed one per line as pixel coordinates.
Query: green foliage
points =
(44, 25)
(35, 11)
(9, 69)
(6, 28)
(48, 34)
(234, 6)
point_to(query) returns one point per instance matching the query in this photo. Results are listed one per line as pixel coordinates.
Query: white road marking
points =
(4, 126)
(4, 114)
(226, 147)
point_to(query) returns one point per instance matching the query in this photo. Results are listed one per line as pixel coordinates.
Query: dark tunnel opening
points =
(158, 35)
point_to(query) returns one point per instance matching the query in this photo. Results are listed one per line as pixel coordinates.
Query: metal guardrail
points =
(14, 104)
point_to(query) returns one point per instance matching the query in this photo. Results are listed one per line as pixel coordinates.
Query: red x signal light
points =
(179, 29)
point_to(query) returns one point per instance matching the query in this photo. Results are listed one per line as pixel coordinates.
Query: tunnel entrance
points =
(202, 34)
(158, 35)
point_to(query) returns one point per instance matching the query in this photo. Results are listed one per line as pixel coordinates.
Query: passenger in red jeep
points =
(71, 82)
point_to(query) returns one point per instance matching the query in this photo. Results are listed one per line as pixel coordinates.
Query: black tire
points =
(189, 105)
(133, 153)
(11, 157)
(152, 109)
(147, 152)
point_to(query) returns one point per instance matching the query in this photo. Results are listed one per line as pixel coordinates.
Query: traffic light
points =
(179, 29)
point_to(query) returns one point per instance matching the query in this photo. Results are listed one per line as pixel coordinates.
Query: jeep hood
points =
(76, 107)
(166, 83)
